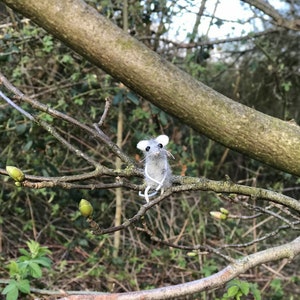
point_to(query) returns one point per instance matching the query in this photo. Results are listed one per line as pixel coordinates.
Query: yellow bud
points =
(18, 183)
(218, 215)
(224, 211)
(191, 254)
(85, 208)
(15, 173)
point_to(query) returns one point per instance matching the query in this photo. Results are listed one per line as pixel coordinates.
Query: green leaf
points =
(27, 146)
(244, 287)
(33, 246)
(21, 128)
(25, 252)
(47, 43)
(256, 293)
(46, 117)
(286, 86)
(24, 286)
(10, 287)
(163, 118)
(133, 98)
(12, 295)
(43, 261)
(79, 101)
(233, 291)
(118, 98)
(35, 270)
(13, 268)
(67, 59)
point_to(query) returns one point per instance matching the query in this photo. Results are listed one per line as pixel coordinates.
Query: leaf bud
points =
(218, 215)
(224, 211)
(192, 254)
(15, 173)
(85, 208)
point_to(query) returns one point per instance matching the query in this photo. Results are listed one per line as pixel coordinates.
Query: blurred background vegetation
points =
(260, 71)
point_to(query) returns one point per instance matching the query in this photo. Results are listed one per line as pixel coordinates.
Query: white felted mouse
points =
(157, 171)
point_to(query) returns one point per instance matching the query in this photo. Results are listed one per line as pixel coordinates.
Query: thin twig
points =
(266, 236)
(98, 134)
(205, 248)
(106, 109)
(136, 217)
(17, 107)
(255, 208)
(112, 146)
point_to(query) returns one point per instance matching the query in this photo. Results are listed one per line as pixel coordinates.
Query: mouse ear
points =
(162, 139)
(142, 145)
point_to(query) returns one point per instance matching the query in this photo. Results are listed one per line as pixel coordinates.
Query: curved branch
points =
(289, 251)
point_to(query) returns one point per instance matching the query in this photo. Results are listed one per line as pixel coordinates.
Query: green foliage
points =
(27, 267)
(209, 268)
(239, 290)
(277, 289)
(47, 43)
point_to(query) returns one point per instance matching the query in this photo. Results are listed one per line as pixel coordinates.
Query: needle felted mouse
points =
(157, 170)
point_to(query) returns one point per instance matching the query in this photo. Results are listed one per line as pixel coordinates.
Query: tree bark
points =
(262, 137)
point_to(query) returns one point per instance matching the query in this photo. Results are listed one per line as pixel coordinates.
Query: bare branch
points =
(239, 266)
(212, 42)
(269, 10)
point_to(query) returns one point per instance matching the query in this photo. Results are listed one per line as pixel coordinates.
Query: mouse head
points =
(153, 146)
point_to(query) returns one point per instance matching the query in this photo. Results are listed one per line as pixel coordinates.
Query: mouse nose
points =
(156, 153)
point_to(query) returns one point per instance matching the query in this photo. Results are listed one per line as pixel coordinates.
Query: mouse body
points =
(157, 170)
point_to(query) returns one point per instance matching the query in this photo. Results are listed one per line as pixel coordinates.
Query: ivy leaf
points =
(256, 294)
(133, 98)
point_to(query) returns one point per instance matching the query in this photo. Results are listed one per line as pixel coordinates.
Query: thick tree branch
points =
(236, 126)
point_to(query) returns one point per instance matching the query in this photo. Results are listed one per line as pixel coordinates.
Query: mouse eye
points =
(147, 148)
(159, 145)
